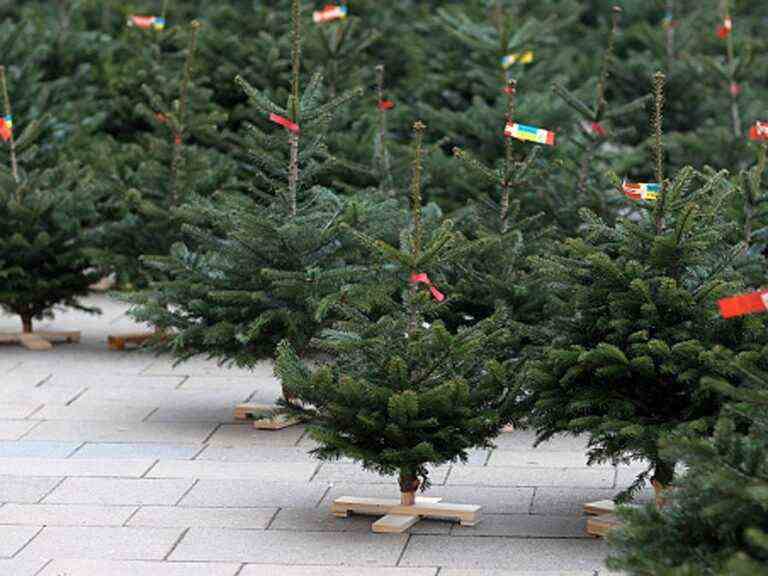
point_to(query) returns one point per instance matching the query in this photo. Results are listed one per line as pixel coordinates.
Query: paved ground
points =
(117, 463)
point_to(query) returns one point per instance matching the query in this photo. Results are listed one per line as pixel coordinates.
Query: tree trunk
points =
(663, 475)
(26, 323)
(409, 484)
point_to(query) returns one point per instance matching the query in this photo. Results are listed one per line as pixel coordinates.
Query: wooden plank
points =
(601, 525)
(277, 422)
(9, 339)
(600, 507)
(34, 342)
(259, 413)
(467, 514)
(119, 342)
(251, 411)
(372, 506)
(68, 336)
(394, 524)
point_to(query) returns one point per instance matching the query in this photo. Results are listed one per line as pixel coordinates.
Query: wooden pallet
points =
(41, 340)
(398, 517)
(119, 342)
(259, 415)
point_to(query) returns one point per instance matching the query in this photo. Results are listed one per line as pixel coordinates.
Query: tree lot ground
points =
(119, 463)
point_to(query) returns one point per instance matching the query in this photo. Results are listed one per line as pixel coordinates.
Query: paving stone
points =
(267, 471)
(541, 459)
(161, 397)
(246, 435)
(626, 475)
(13, 538)
(283, 570)
(25, 378)
(493, 500)
(526, 526)
(568, 501)
(31, 395)
(217, 414)
(255, 454)
(22, 567)
(354, 473)
(109, 412)
(139, 450)
(118, 491)
(64, 515)
(321, 520)
(18, 410)
(491, 552)
(512, 476)
(525, 439)
(294, 547)
(175, 517)
(103, 543)
(170, 432)
(25, 490)
(503, 572)
(15, 429)
(255, 493)
(80, 378)
(137, 568)
(166, 366)
(69, 467)
(30, 449)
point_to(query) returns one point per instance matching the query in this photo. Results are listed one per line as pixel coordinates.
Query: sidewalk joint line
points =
(51, 491)
(131, 515)
(187, 491)
(76, 450)
(325, 493)
(272, 519)
(405, 547)
(175, 544)
(27, 543)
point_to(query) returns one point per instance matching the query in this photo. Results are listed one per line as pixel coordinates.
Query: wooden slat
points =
(394, 524)
(34, 342)
(467, 514)
(372, 506)
(69, 336)
(119, 341)
(251, 411)
(600, 507)
(601, 525)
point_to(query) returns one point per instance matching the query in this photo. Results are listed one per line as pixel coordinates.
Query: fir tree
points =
(259, 265)
(47, 210)
(717, 518)
(401, 394)
(634, 318)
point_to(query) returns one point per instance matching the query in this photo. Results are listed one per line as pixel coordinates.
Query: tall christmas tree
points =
(47, 244)
(403, 394)
(634, 319)
(259, 264)
(717, 518)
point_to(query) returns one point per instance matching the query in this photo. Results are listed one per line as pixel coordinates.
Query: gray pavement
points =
(121, 463)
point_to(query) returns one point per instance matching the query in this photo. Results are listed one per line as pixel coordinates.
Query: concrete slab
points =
(137, 450)
(14, 538)
(537, 554)
(511, 476)
(32, 449)
(255, 454)
(254, 493)
(119, 491)
(246, 435)
(109, 412)
(176, 432)
(28, 567)
(18, 410)
(290, 547)
(25, 490)
(64, 515)
(353, 473)
(103, 543)
(526, 526)
(71, 467)
(138, 568)
(15, 429)
(267, 471)
(283, 570)
(76, 379)
(321, 520)
(541, 459)
(175, 517)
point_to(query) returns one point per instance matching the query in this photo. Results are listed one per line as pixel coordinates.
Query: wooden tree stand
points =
(39, 340)
(255, 413)
(399, 516)
(119, 342)
(601, 518)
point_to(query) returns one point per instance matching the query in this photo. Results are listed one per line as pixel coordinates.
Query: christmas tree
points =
(633, 320)
(259, 264)
(717, 518)
(402, 393)
(47, 210)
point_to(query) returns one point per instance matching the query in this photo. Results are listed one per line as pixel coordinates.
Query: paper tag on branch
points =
(386, 104)
(512, 59)
(6, 127)
(147, 22)
(744, 304)
(669, 21)
(328, 13)
(735, 89)
(529, 133)
(759, 132)
(424, 279)
(594, 128)
(292, 126)
(724, 30)
(648, 191)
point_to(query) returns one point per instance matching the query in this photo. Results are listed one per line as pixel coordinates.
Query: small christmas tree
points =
(402, 394)
(47, 244)
(634, 318)
(717, 518)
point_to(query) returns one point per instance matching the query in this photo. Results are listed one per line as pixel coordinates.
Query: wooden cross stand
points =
(399, 516)
(39, 340)
(601, 518)
(119, 342)
(259, 414)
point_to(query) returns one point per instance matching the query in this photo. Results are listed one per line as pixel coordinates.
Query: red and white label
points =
(744, 304)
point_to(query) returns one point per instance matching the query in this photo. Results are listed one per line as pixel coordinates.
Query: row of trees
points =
(239, 173)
